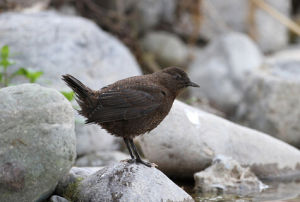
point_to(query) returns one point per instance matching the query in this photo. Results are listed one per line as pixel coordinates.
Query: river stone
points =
(128, 182)
(222, 68)
(68, 45)
(227, 176)
(37, 141)
(271, 102)
(167, 48)
(188, 139)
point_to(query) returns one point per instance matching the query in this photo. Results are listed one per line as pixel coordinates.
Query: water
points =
(279, 192)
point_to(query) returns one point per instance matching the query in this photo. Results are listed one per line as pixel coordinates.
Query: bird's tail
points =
(82, 92)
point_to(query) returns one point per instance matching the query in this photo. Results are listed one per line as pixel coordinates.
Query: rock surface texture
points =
(37, 141)
(272, 102)
(228, 176)
(188, 139)
(124, 182)
(222, 68)
(68, 45)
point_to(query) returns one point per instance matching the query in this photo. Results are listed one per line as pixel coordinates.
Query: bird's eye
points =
(177, 76)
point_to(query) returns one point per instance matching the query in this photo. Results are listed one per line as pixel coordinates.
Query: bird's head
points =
(175, 79)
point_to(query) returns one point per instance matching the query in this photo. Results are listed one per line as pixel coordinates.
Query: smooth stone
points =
(37, 141)
(168, 49)
(56, 198)
(188, 139)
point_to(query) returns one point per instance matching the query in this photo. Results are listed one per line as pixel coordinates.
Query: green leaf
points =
(68, 94)
(32, 76)
(0, 77)
(4, 52)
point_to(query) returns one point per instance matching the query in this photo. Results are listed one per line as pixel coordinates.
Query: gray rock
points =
(102, 158)
(37, 141)
(128, 182)
(167, 48)
(67, 44)
(221, 17)
(92, 138)
(55, 198)
(71, 180)
(227, 176)
(188, 139)
(272, 103)
(222, 68)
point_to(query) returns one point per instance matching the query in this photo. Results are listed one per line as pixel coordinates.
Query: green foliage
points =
(32, 76)
(5, 62)
(69, 95)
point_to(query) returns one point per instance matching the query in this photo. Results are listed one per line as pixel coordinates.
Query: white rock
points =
(188, 139)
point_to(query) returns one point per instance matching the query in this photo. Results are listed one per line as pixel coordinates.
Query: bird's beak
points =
(193, 84)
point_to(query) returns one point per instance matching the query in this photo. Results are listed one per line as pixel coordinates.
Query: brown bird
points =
(132, 106)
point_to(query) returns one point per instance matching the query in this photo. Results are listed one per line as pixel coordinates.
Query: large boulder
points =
(222, 68)
(272, 102)
(37, 141)
(188, 139)
(126, 182)
(68, 45)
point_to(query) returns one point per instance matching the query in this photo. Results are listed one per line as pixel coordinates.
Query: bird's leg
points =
(138, 158)
(126, 140)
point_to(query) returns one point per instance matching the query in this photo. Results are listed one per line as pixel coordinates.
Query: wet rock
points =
(68, 44)
(272, 103)
(37, 141)
(189, 139)
(222, 69)
(58, 199)
(102, 158)
(227, 176)
(167, 48)
(128, 182)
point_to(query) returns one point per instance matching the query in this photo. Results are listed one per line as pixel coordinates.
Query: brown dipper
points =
(132, 106)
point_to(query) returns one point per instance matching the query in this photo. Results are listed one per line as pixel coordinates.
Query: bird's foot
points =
(129, 160)
(146, 163)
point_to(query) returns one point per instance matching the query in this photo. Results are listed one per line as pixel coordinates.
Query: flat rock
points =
(189, 139)
(227, 176)
(37, 141)
(128, 182)
(271, 102)
(68, 45)
(222, 68)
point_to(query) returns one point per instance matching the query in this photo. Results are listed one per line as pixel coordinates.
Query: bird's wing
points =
(126, 104)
